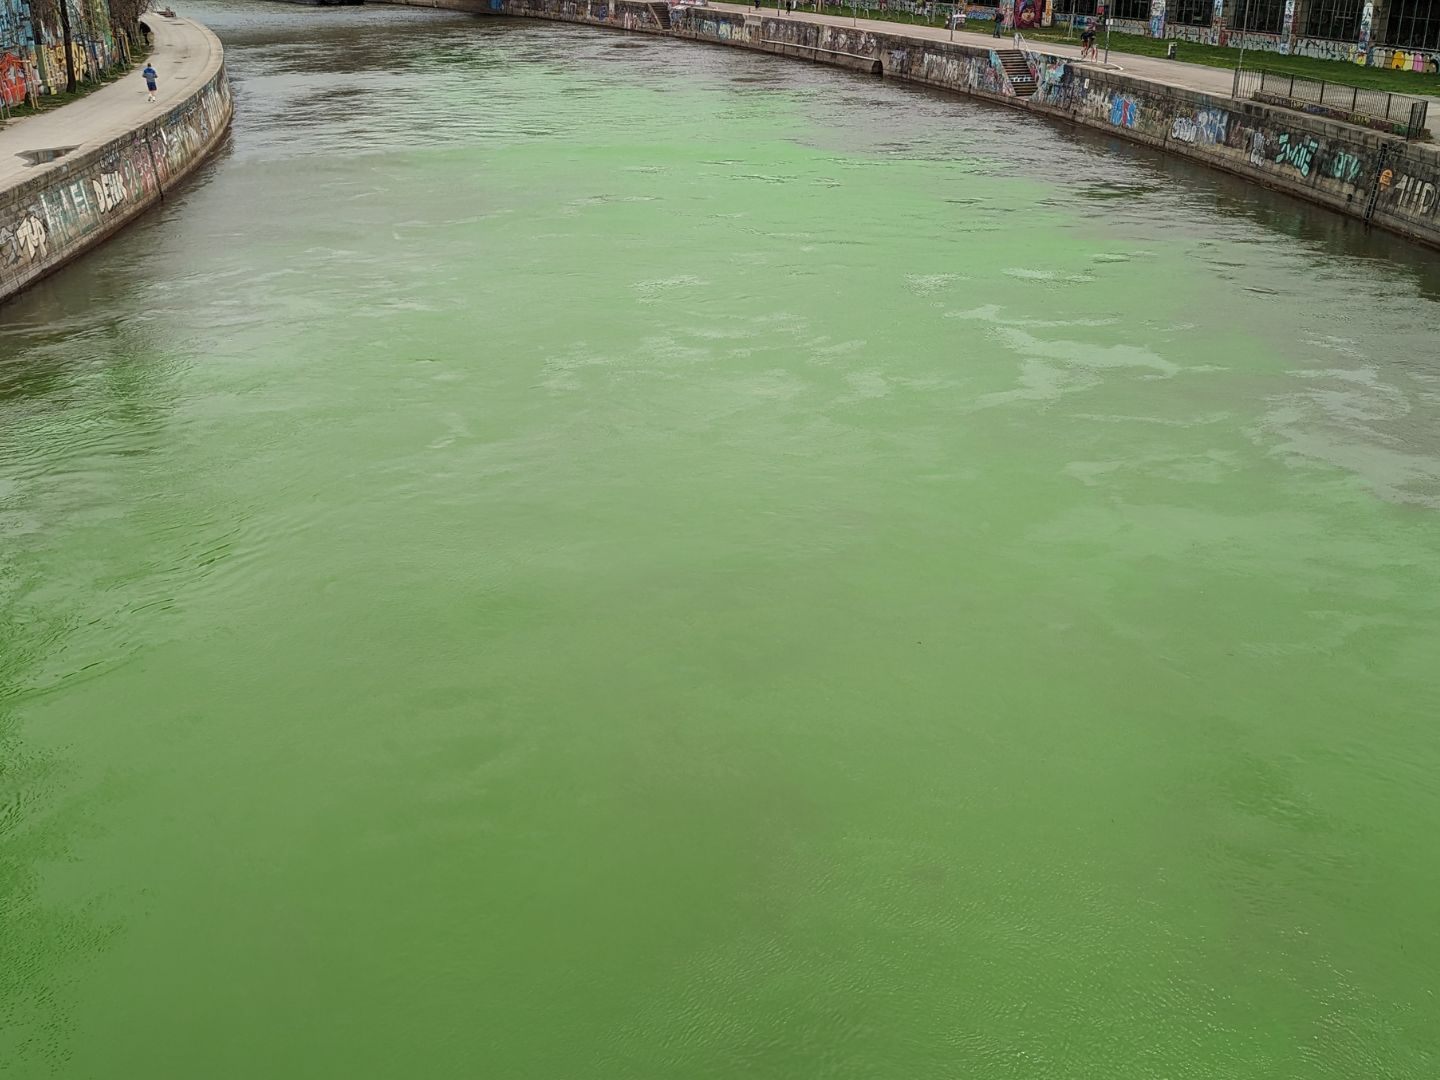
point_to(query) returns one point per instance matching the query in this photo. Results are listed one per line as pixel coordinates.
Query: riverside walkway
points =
(183, 55)
(1200, 78)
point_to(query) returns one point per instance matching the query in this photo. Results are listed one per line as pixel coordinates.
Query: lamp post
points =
(1244, 7)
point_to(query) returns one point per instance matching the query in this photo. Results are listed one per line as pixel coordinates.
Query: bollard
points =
(1170, 51)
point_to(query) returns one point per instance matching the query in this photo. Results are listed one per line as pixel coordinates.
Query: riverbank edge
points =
(80, 201)
(1362, 174)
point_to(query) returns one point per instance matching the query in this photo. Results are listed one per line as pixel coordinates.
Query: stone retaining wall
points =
(86, 196)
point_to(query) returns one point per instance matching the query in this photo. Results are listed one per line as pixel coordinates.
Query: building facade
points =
(32, 53)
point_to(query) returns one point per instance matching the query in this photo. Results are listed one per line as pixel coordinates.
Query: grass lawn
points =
(1368, 78)
(1336, 71)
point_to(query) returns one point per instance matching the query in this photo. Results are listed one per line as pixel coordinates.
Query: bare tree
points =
(125, 19)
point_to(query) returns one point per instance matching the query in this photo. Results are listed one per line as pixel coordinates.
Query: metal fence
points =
(1401, 114)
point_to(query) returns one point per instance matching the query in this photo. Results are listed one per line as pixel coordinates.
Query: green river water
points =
(566, 555)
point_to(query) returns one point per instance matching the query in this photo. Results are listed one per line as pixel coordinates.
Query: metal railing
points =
(1401, 114)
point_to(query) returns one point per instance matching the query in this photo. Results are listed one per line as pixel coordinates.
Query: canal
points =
(571, 555)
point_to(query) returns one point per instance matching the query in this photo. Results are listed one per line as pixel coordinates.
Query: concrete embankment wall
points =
(80, 199)
(1364, 174)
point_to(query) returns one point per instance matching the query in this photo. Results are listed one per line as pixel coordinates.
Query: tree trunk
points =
(39, 52)
(69, 43)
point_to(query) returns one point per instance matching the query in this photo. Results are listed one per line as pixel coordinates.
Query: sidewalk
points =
(182, 56)
(1217, 82)
(1206, 80)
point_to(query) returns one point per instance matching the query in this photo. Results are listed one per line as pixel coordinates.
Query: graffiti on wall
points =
(1124, 110)
(1287, 27)
(30, 68)
(1296, 151)
(61, 218)
(109, 191)
(1157, 18)
(1205, 127)
(1054, 80)
(25, 240)
(1343, 166)
(1257, 149)
(14, 78)
(1412, 195)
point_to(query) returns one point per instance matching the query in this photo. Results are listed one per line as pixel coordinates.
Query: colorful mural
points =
(30, 68)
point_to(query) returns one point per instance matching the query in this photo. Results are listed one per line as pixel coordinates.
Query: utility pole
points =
(1244, 6)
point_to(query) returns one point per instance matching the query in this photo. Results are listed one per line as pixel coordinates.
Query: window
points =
(1337, 19)
(1414, 24)
(1190, 12)
(1260, 16)
(1139, 10)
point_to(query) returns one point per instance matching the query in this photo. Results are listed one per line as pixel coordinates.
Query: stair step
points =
(1017, 71)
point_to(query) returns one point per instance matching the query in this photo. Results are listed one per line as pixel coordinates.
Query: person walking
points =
(152, 80)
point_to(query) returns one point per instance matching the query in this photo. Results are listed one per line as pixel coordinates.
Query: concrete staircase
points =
(662, 14)
(1017, 70)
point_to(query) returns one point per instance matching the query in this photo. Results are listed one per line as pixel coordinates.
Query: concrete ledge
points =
(66, 206)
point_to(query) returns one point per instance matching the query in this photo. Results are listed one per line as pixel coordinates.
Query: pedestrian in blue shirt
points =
(150, 76)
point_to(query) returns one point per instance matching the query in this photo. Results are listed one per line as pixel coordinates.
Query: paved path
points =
(184, 55)
(1207, 80)
(1198, 77)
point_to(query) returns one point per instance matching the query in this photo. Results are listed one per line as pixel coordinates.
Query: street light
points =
(1244, 7)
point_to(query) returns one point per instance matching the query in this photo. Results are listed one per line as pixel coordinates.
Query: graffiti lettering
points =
(1257, 149)
(109, 191)
(1343, 166)
(1123, 111)
(1299, 152)
(12, 79)
(1206, 127)
(30, 237)
(1415, 195)
(1211, 125)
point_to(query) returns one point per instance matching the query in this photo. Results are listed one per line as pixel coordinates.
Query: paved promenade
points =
(1206, 80)
(1197, 77)
(183, 55)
